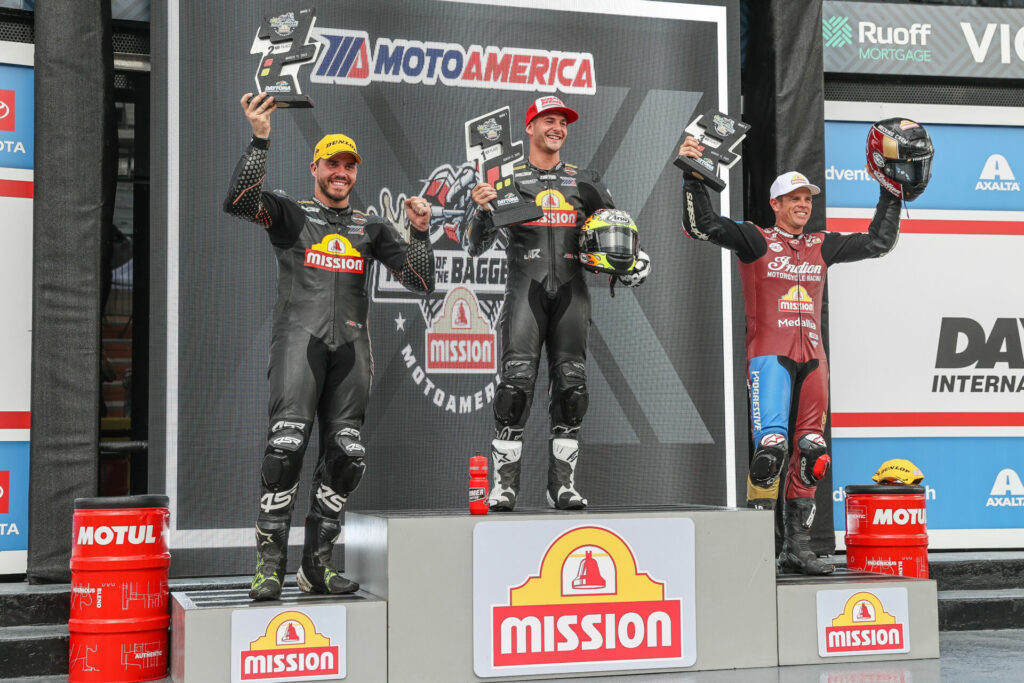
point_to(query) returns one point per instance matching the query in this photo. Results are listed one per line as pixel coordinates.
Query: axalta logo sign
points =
(588, 603)
(1007, 490)
(5, 487)
(290, 649)
(878, 42)
(557, 210)
(460, 339)
(349, 60)
(864, 627)
(336, 254)
(796, 300)
(997, 176)
(132, 534)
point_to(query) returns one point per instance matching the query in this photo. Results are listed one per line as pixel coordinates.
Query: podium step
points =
(981, 570)
(971, 610)
(34, 650)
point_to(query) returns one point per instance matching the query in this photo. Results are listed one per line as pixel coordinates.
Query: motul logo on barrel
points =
(899, 516)
(116, 535)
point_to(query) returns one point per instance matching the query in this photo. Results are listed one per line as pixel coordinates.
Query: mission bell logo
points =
(336, 254)
(460, 339)
(864, 627)
(588, 603)
(291, 648)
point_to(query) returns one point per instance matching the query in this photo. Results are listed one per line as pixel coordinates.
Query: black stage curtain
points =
(75, 171)
(784, 101)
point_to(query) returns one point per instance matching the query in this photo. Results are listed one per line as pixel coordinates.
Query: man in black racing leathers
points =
(546, 303)
(320, 361)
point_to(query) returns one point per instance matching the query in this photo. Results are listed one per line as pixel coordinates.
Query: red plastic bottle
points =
(478, 485)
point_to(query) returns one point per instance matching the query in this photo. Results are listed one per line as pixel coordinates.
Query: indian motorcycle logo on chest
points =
(336, 254)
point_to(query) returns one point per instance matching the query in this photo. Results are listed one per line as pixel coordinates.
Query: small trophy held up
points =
(718, 135)
(284, 45)
(489, 144)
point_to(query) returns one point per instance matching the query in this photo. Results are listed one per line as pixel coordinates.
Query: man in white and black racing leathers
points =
(320, 361)
(783, 272)
(546, 303)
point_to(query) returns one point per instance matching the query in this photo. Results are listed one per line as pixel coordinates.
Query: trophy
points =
(284, 44)
(718, 135)
(489, 144)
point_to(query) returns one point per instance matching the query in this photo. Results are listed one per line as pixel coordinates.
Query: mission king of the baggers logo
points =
(454, 359)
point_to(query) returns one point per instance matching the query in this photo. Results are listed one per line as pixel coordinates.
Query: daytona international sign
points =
(557, 597)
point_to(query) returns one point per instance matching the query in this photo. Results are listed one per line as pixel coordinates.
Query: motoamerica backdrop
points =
(401, 78)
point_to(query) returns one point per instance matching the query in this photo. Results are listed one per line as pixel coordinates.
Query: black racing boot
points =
(796, 555)
(562, 458)
(506, 462)
(271, 556)
(315, 573)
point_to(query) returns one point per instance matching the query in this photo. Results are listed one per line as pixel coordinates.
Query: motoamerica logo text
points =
(348, 60)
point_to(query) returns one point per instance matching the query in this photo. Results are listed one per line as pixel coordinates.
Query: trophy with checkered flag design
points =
(718, 135)
(489, 144)
(284, 45)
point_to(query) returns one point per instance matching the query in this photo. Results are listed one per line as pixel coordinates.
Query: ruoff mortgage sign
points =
(922, 40)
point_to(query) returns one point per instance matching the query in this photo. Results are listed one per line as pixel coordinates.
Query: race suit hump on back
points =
(324, 254)
(783, 275)
(545, 250)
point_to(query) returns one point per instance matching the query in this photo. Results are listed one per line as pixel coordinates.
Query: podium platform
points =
(490, 597)
(540, 594)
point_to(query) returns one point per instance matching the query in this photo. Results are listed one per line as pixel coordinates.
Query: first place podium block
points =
(542, 594)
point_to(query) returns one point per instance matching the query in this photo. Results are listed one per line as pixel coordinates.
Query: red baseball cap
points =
(550, 103)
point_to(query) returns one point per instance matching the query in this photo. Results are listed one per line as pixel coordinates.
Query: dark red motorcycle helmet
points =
(900, 153)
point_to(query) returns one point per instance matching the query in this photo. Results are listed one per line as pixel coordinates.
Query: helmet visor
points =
(914, 171)
(613, 240)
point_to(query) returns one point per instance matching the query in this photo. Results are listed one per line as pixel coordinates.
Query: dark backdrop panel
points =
(76, 148)
(783, 87)
(655, 432)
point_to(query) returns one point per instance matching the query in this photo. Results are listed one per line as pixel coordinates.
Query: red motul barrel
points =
(885, 530)
(119, 612)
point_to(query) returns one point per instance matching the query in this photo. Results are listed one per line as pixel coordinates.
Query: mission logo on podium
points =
(595, 599)
(854, 622)
(279, 644)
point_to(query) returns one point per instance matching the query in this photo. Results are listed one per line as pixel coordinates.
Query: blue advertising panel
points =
(975, 168)
(971, 482)
(17, 116)
(13, 496)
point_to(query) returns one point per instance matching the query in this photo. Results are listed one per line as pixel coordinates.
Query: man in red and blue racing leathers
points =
(547, 303)
(320, 361)
(783, 273)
